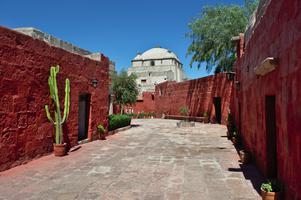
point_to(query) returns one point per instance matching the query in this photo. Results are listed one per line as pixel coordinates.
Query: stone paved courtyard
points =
(152, 160)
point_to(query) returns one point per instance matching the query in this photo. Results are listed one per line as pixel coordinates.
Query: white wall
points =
(164, 70)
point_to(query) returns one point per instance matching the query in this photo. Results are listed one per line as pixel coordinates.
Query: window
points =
(152, 63)
(153, 97)
(143, 80)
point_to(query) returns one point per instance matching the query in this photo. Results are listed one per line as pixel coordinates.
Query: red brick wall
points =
(146, 105)
(196, 94)
(25, 132)
(278, 34)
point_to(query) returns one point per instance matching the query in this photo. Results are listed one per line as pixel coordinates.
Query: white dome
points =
(156, 53)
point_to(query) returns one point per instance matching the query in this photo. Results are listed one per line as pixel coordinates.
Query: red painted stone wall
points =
(146, 105)
(25, 132)
(278, 34)
(196, 94)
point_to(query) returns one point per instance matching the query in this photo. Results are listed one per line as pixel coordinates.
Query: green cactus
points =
(58, 121)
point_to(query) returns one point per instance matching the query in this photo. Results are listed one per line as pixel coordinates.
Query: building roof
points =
(156, 53)
(52, 41)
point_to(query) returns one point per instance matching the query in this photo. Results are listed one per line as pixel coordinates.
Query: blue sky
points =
(117, 28)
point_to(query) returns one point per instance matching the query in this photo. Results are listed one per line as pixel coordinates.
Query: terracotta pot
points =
(234, 141)
(103, 136)
(206, 120)
(60, 149)
(245, 157)
(270, 195)
(230, 131)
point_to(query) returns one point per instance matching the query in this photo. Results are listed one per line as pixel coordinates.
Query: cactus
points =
(58, 120)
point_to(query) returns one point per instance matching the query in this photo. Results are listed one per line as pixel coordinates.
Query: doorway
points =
(83, 116)
(218, 108)
(271, 136)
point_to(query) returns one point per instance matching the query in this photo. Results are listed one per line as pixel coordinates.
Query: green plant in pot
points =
(235, 138)
(271, 190)
(230, 126)
(184, 111)
(206, 117)
(101, 130)
(59, 146)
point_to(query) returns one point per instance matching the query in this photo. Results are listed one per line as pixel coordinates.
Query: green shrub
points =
(130, 114)
(141, 115)
(118, 121)
(152, 114)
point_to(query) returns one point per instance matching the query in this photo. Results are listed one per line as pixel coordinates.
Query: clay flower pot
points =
(270, 195)
(234, 141)
(60, 149)
(102, 136)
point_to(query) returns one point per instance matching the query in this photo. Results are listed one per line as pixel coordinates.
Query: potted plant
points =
(270, 190)
(101, 130)
(230, 126)
(245, 157)
(184, 111)
(206, 117)
(152, 114)
(59, 145)
(235, 138)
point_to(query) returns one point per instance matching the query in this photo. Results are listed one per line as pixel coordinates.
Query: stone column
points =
(111, 109)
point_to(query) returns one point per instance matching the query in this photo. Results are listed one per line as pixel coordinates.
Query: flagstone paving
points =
(153, 160)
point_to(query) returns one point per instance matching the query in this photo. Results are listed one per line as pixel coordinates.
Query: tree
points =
(211, 35)
(124, 88)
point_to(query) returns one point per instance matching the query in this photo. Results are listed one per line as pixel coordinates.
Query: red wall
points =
(25, 132)
(196, 94)
(278, 34)
(146, 105)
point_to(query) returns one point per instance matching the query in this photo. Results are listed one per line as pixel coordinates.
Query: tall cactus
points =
(58, 121)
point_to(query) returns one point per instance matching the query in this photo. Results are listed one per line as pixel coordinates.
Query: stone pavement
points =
(152, 160)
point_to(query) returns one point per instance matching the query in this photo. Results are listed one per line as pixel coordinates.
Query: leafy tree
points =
(124, 88)
(211, 35)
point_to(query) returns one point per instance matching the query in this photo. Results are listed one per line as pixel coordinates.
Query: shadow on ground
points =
(250, 172)
(135, 125)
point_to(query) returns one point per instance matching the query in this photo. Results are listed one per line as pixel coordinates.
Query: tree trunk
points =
(121, 109)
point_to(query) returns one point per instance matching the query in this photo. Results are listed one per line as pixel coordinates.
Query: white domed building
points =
(155, 66)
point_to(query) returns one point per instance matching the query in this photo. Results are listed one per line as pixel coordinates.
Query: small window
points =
(152, 63)
(143, 80)
(149, 73)
(153, 97)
